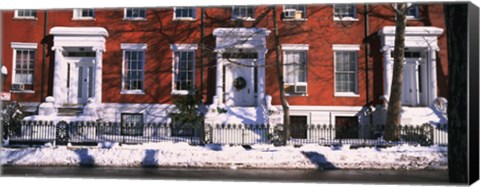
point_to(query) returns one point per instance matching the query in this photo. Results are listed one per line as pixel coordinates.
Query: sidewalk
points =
(235, 157)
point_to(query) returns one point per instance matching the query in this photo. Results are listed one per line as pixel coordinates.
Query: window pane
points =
(184, 70)
(345, 71)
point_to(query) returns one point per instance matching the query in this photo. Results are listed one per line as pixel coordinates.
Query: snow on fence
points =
(91, 132)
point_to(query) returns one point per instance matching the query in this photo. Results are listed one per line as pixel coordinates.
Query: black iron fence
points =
(62, 133)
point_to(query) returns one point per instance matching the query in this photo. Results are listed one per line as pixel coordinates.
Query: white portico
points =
(240, 83)
(419, 86)
(420, 101)
(78, 64)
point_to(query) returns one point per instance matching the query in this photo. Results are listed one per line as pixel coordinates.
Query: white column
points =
(59, 77)
(98, 74)
(432, 72)
(261, 77)
(388, 71)
(219, 87)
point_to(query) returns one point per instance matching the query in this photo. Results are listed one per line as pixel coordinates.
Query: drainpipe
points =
(202, 35)
(44, 56)
(365, 14)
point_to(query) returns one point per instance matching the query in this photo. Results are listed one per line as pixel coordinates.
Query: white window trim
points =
(349, 18)
(15, 16)
(19, 46)
(244, 18)
(185, 48)
(345, 47)
(136, 18)
(302, 19)
(132, 47)
(76, 17)
(194, 18)
(295, 47)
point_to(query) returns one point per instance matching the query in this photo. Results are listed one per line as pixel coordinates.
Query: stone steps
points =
(70, 110)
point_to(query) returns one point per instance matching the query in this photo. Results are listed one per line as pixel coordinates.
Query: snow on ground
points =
(223, 156)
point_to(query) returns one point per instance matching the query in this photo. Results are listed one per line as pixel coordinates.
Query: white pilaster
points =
(98, 73)
(261, 77)
(59, 78)
(388, 71)
(432, 72)
(219, 87)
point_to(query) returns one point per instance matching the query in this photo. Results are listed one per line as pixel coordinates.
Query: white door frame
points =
(76, 95)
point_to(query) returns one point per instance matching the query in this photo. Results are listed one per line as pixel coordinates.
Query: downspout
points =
(202, 35)
(366, 23)
(44, 56)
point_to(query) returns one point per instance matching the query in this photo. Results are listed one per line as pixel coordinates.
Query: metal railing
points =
(62, 133)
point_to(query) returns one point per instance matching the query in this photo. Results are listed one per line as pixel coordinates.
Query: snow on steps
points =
(242, 115)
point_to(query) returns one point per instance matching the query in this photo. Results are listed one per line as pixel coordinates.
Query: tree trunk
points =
(456, 22)
(394, 103)
(278, 62)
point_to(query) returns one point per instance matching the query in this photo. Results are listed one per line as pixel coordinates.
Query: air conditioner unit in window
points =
(289, 13)
(18, 87)
(300, 88)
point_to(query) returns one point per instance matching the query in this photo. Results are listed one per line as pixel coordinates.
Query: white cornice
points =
(79, 31)
(415, 31)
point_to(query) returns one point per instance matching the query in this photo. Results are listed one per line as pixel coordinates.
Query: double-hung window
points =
(294, 12)
(243, 12)
(413, 12)
(295, 68)
(133, 68)
(345, 12)
(184, 13)
(183, 68)
(345, 62)
(24, 65)
(135, 13)
(84, 13)
(26, 14)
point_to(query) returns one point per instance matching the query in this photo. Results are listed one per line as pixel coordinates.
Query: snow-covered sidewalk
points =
(224, 156)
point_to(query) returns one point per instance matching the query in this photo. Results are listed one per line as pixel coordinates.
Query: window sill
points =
(133, 92)
(83, 19)
(23, 91)
(345, 19)
(293, 19)
(346, 94)
(184, 19)
(180, 92)
(134, 19)
(25, 18)
(294, 94)
(411, 18)
(243, 19)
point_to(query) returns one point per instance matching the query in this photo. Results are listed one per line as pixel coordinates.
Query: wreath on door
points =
(239, 83)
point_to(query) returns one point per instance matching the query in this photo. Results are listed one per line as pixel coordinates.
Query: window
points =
(86, 13)
(243, 12)
(295, 68)
(24, 65)
(345, 57)
(133, 68)
(346, 127)
(184, 13)
(298, 127)
(28, 14)
(135, 13)
(132, 124)
(183, 68)
(344, 12)
(412, 12)
(294, 12)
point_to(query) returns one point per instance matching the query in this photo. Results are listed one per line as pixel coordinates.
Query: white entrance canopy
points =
(423, 39)
(93, 38)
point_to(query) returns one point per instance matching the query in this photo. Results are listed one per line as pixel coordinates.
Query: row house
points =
(129, 64)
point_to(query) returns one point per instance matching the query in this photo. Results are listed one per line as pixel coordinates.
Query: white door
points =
(410, 91)
(241, 69)
(81, 80)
